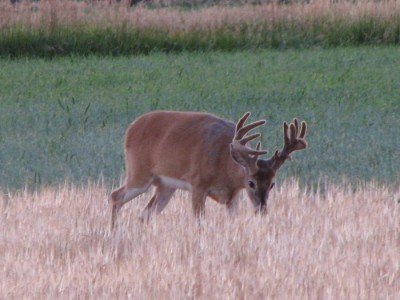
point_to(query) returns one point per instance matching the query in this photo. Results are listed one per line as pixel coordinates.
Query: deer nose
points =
(262, 200)
(262, 197)
(261, 210)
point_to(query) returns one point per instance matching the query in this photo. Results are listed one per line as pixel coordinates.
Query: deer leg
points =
(233, 204)
(198, 202)
(158, 202)
(123, 195)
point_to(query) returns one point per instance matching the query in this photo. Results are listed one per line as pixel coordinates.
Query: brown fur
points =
(199, 150)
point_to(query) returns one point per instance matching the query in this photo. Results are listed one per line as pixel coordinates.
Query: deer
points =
(201, 153)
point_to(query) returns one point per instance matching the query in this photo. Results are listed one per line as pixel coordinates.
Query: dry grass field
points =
(341, 244)
(47, 14)
(49, 28)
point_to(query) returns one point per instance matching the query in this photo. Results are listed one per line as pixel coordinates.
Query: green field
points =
(64, 119)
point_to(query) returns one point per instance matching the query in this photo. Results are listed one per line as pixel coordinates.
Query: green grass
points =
(65, 118)
(118, 40)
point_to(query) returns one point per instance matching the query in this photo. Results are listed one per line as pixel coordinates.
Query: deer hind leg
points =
(158, 202)
(123, 195)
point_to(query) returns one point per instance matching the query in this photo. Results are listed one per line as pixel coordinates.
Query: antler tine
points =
(249, 138)
(303, 130)
(241, 131)
(296, 125)
(260, 151)
(285, 133)
(293, 132)
(242, 120)
(256, 153)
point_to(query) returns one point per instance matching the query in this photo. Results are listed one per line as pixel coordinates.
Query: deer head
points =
(259, 173)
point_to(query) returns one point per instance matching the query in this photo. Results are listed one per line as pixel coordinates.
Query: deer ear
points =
(238, 157)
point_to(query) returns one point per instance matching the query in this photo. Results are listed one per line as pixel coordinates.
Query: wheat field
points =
(340, 244)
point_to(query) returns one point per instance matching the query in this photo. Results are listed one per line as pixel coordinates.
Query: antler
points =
(240, 152)
(293, 141)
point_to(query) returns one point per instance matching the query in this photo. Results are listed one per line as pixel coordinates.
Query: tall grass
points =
(344, 244)
(47, 28)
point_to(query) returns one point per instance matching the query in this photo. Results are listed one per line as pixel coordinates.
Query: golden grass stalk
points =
(342, 244)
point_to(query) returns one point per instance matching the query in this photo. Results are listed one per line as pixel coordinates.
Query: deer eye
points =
(272, 185)
(252, 184)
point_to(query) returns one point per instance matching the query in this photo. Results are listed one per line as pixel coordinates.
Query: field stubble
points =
(340, 244)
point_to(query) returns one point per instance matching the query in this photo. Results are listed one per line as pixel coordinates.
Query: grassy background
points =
(52, 28)
(66, 118)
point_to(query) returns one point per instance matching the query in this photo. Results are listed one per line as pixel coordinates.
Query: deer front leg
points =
(233, 204)
(198, 202)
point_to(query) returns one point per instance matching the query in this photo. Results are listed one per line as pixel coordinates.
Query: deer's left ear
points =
(236, 155)
(246, 161)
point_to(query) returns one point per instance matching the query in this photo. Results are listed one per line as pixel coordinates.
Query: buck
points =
(201, 153)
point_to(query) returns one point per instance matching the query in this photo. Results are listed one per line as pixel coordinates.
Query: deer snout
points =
(262, 198)
(261, 210)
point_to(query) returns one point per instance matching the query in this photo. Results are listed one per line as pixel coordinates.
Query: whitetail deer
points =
(201, 153)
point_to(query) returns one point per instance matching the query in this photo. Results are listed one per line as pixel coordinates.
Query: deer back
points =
(191, 147)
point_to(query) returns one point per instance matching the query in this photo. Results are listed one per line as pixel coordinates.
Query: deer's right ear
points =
(236, 155)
